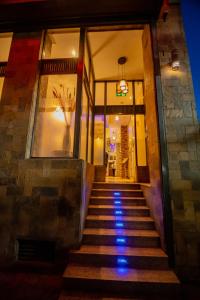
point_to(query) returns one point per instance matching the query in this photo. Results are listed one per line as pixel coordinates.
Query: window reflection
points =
(54, 130)
(5, 42)
(99, 140)
(83, 136)
(62, 43)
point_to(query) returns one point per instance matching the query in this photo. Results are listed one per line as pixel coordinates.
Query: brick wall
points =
(183, 144)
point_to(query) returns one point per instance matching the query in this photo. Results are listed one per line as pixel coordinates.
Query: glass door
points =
(120, 147)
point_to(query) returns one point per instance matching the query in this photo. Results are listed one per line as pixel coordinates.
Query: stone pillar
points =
(17, 96)
(183, 145)
(124, 151)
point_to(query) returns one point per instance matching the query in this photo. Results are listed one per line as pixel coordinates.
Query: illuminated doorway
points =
(120, 147)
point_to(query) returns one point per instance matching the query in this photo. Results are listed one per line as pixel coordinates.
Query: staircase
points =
(120, 249)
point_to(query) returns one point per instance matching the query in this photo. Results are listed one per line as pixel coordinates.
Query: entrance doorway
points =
(120, 147)
(119, 141)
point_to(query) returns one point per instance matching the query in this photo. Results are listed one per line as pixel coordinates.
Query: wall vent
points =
(36, 250)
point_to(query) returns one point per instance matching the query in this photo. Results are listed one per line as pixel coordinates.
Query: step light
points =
(122, 270)
(119, 212)
(117, 193)
(119, 224)
(122, 261)
(118, 202)
(121, 241)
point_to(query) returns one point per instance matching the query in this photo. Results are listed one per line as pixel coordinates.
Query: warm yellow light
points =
(116, 118)
(59, 114)
(123, 86)
(176, 65)
(74, 53)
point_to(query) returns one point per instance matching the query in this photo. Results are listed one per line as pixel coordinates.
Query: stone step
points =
(116, 186)
(121, 237)
(123, 280)
(117, 193)
(96, 200)
(125, 222)
(112, 256)
(118, 211)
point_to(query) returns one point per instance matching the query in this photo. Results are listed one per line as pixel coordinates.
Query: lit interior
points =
(55, 118)
(106, 48)
(5, 42)
(56, 110)
(54, 130)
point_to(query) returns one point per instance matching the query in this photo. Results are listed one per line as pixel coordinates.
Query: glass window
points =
(99, 140)
(91, 83)
(139, 96)
(62, 43)
(83, 133)
(90, 135)
(5, 43)
(1, 85)
(99, 93)
(141, 140)
(54, 128)
(113, 99)
(86, 60)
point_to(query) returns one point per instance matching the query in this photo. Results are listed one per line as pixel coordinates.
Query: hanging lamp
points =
(122, 85)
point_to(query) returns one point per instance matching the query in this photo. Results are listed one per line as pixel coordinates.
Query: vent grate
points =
(36, 250)
(59, 66)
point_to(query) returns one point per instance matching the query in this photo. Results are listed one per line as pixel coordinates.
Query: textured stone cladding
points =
(15, 107)
(50, 204)
(183, 144)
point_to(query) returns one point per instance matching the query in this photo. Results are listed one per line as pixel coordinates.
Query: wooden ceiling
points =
(18, 14)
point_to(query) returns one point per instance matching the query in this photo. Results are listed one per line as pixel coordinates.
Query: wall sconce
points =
(175, 63)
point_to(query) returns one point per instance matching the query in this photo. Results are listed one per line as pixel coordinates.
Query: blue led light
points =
(118, 202)
(122, 261)
(122, 270)
(119, 224)
(118, 212)
(117, 194)
(120, 241)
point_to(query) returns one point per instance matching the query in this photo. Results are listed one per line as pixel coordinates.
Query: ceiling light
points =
(74, 53)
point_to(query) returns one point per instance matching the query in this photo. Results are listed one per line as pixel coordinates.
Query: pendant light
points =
(122, 84)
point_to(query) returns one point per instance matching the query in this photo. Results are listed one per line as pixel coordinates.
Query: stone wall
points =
(183, 144)
(47, 201)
